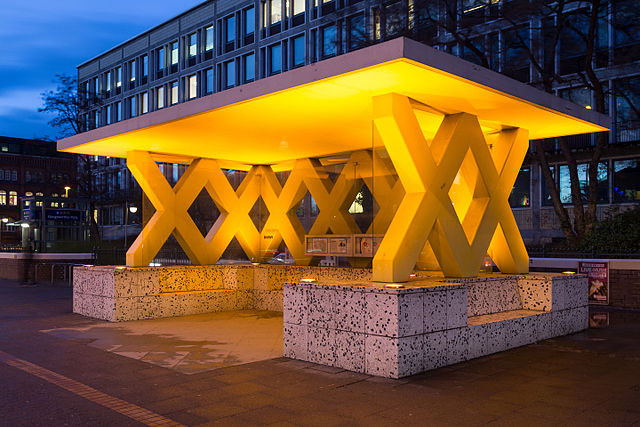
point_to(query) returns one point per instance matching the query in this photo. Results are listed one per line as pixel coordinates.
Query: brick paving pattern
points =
(590, 378)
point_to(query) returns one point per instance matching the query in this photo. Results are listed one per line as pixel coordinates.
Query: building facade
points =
(30, 169)
(225, 43)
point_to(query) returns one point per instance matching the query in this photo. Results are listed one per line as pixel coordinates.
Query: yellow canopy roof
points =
(326, 108)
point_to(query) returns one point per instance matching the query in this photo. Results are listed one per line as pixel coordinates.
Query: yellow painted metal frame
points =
(448, 205)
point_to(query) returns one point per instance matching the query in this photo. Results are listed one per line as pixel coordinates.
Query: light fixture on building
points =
(307, 280)
(568, 273)
(66, 192)
(133, 209)
(588, 107)
(394, 286)
(5, 220)
(24, 225)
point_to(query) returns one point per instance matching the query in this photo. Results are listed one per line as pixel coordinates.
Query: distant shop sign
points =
(63, 215)
(598, 274)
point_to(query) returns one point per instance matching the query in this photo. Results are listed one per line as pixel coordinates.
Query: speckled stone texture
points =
(121, 293)
(364, 327)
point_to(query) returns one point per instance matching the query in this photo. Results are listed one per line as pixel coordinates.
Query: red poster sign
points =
(598, 274)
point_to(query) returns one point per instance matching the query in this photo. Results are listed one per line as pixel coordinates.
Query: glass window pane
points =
(275, 53)
(230, 31)
(357, 34)
(174, 92)
(230, 74)
(209, 88)
(298, 6)
(193, 86)
(276, 11)
(329, 41)
(145, 102)
(520, 193)
(298, 51)
(160, 97)
(249, 68)
(626, 180)
(249, 21)
(174, 53)
(193, 44)
(160, 58)
(546, 195)
(145, 65)
(209, 38)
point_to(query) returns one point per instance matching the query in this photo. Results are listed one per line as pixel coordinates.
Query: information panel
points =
(598, 274)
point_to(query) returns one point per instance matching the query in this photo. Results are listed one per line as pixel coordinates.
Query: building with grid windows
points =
(226, 43)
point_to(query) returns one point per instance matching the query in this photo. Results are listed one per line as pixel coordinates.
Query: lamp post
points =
(133, 209)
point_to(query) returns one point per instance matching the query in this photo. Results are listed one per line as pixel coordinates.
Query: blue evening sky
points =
(42, 38)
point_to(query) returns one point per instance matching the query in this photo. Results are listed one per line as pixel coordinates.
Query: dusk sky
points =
(42, 38)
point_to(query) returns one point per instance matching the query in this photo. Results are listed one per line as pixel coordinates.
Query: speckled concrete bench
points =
(430, 323)
(121, 293)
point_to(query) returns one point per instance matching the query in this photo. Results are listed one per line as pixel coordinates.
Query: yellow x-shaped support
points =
(283, 223)
(458, 236)
(171, 215)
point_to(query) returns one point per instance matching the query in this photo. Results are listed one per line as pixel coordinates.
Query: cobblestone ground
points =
(590, 378)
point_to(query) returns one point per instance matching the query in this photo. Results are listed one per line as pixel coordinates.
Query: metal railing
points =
(561, 252)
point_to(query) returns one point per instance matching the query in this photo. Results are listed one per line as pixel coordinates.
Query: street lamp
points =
(66, 192)
(133, 209)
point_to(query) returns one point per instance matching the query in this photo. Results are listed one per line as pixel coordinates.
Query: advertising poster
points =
(598, 274)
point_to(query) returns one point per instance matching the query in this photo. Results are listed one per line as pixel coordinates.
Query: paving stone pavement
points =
(590, 378)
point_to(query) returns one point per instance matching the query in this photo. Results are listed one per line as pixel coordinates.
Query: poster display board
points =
(346, 245)
(598, 274)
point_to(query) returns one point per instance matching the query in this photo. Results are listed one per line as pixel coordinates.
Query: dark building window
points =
(229, 33)
(328, 34)
(209, 81)
(145, 69)
(193, 49)
(357, 31)
(275, 59)
(583, 177)
(208, 42)
(160, 61)
(298, 51)
(521, 192)
(249, 67)
(249, 25)
(626, 180)
(229, 74)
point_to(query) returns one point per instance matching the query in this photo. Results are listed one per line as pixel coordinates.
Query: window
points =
(174, 92)
(85, 89)
(298, 7)
(209, 81)
(208, 39)
(583, 177)
(3, 198)
(193, 86)
(109, 112)
(229, 74)
(160, 97)
(27, 176)
(145, 69)
(132, 106)
(118, 78)
(357, 34)
(144, 107)
(520, 196)
(229, 33)
(108, 88)
(328, 41)
(132, 71)
(174, 54)
(1, 174)
(13, 198)
(96, 86)
(193, 44)
(249, 67)
(275, 58)
(275, 11)
(118, 111)
(96, 118)
(249, 23)
(626, 180)
(14, 176)
(298, 51)
(160, 62)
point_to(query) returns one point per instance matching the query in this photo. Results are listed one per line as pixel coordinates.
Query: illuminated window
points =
(174, 53)
(174, 92)
(132, 71)
(298, 6)
(144, 107)
(13, 198)
(118, 77)
(160, 97)
(193, 44)
(583, 178)
(193, 86)
(108, 88)
(3, 198)
(208, 38)
(275, 11)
